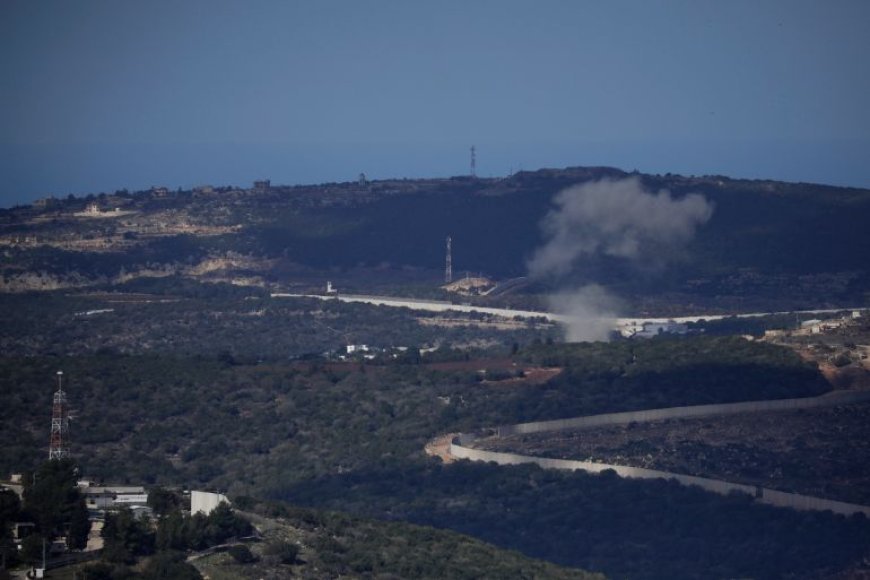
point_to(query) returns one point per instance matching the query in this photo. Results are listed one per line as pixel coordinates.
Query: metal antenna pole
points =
(448, 268)
(59, 444)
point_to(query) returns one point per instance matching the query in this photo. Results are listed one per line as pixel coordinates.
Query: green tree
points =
(222, 523)
(8, 552)
(79, 526)
(172, 532)
(126, 537)
(103, 571)
(163, 501)
(241, 554)
(32, 548)
(52, 498)
(284, 552)
(170, 566)
(10, 507)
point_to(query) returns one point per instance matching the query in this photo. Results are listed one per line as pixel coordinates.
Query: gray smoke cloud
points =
(615, 218)
(591, 311)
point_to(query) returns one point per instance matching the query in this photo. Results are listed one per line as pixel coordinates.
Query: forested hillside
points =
(767, 243)
(182, 369)
(350, 437)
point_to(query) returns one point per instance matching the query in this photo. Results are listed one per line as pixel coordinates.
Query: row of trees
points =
(162, 543)
(55, 507)
(624, 528)
(128, 538)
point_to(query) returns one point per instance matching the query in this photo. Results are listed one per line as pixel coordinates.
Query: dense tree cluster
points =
(129, 539)
(349, 436)
(338, 546)
(160, 420)
(625, 528)
(207, 319)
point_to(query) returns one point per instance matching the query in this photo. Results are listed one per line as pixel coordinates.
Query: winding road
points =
(461, 446)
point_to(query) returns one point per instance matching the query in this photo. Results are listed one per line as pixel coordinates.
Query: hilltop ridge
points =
(768, 243)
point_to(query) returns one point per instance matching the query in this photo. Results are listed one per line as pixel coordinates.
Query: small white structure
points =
(629, 329)
(352, 348)
(205, 502)
(652, 329)
(330, 289)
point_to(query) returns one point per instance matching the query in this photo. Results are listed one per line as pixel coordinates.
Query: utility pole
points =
(473, 162)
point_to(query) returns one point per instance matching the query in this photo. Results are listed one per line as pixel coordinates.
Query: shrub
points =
(285, 552)
(241, 554)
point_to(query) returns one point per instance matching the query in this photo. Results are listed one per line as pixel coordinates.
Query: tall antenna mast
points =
(473, 162)
(58, 447)
(448, 268)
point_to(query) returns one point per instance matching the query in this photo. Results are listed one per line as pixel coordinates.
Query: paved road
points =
(442, 306)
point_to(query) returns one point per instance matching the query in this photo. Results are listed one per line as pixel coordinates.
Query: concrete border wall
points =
(762, 495)
(827, 400)
(461, 448)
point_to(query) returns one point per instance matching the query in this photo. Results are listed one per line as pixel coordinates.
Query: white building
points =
(106, 497)
(652, 329)
(204, 502)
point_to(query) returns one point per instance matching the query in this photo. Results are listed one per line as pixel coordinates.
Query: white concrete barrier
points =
(461, 448)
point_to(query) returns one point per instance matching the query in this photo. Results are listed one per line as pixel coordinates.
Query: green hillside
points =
(767, 242)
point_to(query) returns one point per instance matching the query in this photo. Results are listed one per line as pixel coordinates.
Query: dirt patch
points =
(440, 447)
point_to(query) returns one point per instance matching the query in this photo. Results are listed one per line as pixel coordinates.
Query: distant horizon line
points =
(188, 187)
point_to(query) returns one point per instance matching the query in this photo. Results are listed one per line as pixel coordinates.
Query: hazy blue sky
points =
(97, 96)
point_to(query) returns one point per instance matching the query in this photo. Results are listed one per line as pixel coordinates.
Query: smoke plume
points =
(615, 218)
(591, 311)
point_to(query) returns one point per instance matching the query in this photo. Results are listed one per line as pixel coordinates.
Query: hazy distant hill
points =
(767, 242)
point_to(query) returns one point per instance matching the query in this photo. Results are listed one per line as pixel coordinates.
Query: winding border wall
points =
(831, 399)
(460, 448)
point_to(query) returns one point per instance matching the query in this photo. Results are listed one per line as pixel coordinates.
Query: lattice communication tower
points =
(448, 267)
(58, 447)
(473, 162)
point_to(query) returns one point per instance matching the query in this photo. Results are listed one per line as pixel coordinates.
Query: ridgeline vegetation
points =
(755, 253)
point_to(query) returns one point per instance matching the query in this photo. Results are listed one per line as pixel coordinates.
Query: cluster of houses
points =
(817, 326)
(102, 499)
(366, 352)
